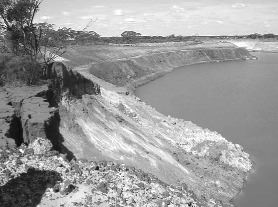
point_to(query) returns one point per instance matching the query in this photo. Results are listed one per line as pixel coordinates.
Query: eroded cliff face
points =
(113, 125)
(30, 112)
(26, 114)
(92, 118)
(121, 128)
(138, 70)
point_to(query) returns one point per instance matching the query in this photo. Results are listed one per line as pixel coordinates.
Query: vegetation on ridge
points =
(30, 46)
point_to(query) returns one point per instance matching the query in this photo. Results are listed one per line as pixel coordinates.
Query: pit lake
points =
(238, 99)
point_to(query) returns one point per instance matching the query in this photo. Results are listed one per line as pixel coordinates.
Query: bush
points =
(4, 58)
(20, 70)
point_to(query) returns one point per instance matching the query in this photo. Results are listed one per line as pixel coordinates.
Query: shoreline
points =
(263, 51)
(145, 80)
(152, 77)
(246, 180)
(257, 45)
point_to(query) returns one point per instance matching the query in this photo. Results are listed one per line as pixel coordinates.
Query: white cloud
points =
(99, 6)
(87, 17)
(130, 20)
(267, 24)
(118, 12)
(219, 21)
(238, 5)
(45, 17)
(177, 8)
(102, 25)
(68, 23)
(98, 17)
(134, 20)
(65, 13)
(101, 17)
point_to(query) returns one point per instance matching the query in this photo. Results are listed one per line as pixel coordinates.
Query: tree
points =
(254, 36)
(36, 41)
(35, 44)
(86, 36)
(18, 17)
(270, 35)
(130, 34)
(52, 42)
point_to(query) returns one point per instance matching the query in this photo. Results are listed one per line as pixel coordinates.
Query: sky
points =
(163, 17)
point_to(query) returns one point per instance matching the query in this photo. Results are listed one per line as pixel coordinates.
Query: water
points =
(238, 100)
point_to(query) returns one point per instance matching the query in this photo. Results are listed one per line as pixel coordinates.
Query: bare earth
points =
(99, 119)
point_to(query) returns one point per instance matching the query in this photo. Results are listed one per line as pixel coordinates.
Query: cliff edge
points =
(91, 114)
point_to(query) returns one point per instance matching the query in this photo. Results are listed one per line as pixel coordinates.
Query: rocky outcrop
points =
(35, 115)
(63, 80)
(26, 112)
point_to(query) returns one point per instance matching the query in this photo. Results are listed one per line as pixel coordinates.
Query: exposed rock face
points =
(68, 81)
(26, 115)
(35, 114)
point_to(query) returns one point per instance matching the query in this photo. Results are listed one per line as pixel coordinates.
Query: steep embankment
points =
(138, 70)
(119, 127)
(100, 121)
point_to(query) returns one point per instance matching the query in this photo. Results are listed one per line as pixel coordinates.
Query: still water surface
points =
(237, 99)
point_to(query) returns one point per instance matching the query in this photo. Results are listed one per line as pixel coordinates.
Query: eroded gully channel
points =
(237, 99)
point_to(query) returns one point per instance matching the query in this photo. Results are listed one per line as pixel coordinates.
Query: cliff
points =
(138, 70)
(120, 127)
(91, 115)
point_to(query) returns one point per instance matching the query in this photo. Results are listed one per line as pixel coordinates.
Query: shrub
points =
(4, 58)
(20, 70)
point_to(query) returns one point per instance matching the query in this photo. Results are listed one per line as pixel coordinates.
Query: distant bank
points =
(257, 45)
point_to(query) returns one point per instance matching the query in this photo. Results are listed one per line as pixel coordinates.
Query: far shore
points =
(256, 45)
